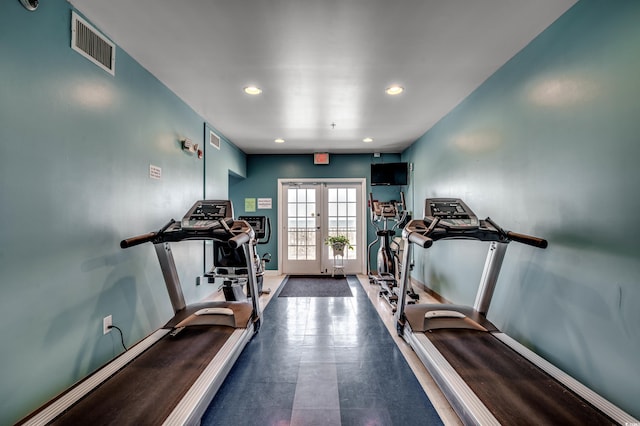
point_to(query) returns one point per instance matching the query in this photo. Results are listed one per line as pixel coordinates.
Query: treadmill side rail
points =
(60, 405)
(193, 405)
(602, 404)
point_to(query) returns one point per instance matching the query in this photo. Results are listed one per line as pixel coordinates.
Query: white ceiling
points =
(322, 62)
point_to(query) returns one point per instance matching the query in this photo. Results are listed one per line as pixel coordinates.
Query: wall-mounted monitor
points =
(389, 173)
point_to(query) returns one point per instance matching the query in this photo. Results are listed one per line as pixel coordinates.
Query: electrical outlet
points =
(106, 323)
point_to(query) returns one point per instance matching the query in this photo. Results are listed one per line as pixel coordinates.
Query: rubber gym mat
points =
(315, 286)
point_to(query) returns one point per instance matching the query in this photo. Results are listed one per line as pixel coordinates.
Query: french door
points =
(311, 210)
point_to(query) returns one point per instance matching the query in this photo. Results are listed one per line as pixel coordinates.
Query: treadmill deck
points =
(512, 388)
(165, 372)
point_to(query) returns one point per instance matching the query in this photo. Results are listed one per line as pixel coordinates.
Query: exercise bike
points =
(229, 264)
(389, 252)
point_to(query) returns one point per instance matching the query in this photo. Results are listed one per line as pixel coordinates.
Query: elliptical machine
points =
(389, 257)
(230, 264)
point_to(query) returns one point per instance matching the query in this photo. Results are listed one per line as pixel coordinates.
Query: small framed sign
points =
(320, 158)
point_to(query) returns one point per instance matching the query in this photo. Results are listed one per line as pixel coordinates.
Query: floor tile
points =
(314, 417)
(321, 361)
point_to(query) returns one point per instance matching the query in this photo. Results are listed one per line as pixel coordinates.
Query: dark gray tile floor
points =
(321, 361)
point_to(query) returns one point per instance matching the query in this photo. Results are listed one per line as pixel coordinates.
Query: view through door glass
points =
(302, 233)
(314, 211)
(342, 217)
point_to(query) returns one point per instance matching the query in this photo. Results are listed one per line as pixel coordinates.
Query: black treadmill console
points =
(452, 213)
(205, 214)
(258, 223)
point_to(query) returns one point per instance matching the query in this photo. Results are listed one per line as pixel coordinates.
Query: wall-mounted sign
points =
(249, 204)
(155, 172)
(265, 203)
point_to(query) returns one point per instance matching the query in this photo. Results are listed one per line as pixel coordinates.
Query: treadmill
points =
(488, 378)
(171, 376)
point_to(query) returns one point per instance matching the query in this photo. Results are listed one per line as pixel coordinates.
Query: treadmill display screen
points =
(452, 213)
(211, 211)
(447, 210)
(206, 214)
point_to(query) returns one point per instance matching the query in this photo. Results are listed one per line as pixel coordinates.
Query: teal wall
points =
(549, 145)
(221, 166)
(75, 148)
(263, 172)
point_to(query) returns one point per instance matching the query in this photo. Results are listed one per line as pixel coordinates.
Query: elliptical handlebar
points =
(400, 220)
(387, 211)
(268, 232)
(372, 213)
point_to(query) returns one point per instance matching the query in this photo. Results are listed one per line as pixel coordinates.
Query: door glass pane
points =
(342, 216)
(302, 224)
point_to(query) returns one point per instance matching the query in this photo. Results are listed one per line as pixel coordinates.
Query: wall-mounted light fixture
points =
(30, 4)
(191, 148)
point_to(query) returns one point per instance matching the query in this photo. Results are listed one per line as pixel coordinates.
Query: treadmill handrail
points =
(487, 231)
(528, 239)
(221, 230)
(419, 239)
(144, 238)
(238, 240)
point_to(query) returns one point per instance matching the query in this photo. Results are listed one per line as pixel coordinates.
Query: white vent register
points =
(214, 140)
(90, 43)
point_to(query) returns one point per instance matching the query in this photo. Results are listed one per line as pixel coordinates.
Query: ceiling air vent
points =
(91, 44)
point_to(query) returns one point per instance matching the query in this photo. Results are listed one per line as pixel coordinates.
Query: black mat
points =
(315, 286)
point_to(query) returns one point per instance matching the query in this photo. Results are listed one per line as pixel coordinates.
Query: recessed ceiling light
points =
(367, 140)
(279, 140)
(394, 90)
(252, 90)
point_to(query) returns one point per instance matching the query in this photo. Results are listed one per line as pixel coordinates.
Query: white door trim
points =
(362, 238)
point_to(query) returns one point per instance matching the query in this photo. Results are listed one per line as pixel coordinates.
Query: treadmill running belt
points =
(165, 372)
(512, 388)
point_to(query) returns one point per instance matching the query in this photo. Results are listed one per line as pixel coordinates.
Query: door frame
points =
(362, 239)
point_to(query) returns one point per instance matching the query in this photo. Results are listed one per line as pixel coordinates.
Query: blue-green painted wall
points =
(549, 145)
(75, 148)
(263, 172)
(222, 165)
